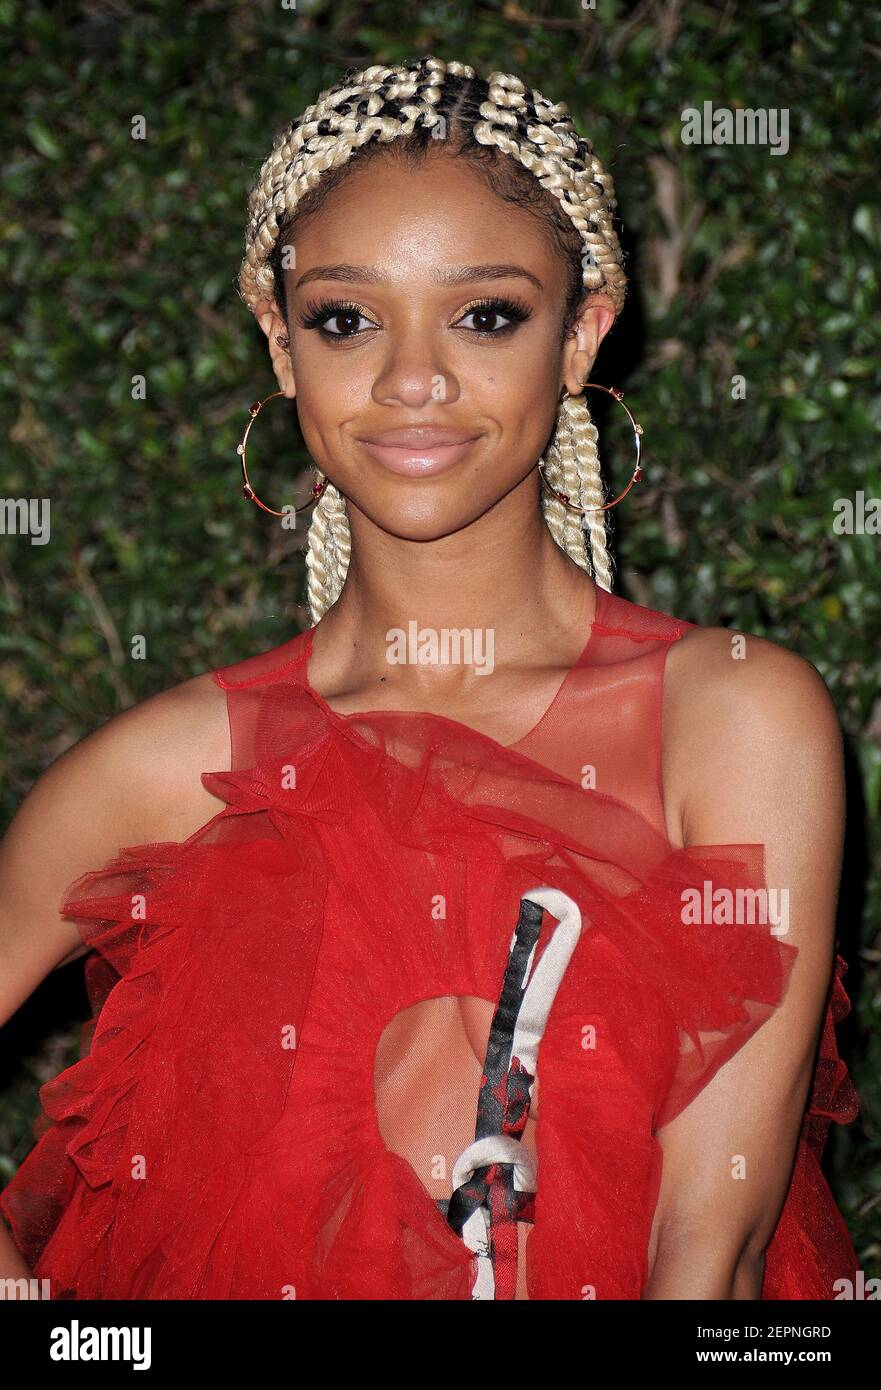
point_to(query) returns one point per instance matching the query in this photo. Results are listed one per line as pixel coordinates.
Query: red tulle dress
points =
(313, 1068)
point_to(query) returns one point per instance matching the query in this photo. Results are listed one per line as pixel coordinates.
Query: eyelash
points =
(316, 315)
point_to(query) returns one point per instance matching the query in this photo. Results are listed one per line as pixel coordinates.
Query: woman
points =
(482, 807)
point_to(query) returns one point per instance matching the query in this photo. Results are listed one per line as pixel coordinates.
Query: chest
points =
(445, 1052)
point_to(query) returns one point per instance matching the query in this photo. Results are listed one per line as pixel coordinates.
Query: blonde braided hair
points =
(411, 104)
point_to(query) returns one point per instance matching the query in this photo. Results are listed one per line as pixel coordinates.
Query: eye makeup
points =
(319, 315)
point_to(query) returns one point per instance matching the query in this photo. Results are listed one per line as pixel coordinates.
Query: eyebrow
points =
(452, 276)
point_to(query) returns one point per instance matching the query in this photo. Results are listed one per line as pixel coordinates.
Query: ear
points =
(270, 320)
(582, 345)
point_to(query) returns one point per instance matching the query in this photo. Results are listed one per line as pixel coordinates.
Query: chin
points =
(421, 519)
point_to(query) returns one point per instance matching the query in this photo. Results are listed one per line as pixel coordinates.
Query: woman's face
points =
(424, 316)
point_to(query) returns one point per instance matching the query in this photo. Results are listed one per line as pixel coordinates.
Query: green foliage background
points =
(118, 258)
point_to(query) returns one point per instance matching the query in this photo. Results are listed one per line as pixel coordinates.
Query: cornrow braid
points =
(401, 110)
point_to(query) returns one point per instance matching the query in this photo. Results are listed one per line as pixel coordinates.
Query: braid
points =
(411, 105)
(572, 465)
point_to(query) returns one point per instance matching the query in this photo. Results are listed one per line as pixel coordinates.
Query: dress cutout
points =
(403, 1019)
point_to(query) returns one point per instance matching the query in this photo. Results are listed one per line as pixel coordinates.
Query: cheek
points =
(328, 394)
(524, 404)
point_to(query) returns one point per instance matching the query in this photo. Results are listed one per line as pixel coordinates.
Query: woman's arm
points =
(134, 780)
(753, 751)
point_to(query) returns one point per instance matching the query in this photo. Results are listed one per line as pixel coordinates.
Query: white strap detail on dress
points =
(531, 1019)
(496, 1148)
(545, 981)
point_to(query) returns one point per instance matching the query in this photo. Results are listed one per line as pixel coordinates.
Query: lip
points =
(419, 451)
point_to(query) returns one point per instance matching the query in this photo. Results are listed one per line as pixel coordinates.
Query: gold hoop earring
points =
(247, 490)
(637, 472)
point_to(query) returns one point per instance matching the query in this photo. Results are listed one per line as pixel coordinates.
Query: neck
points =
(502, 577)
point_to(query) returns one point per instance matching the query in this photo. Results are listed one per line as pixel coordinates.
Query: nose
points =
(413, 374)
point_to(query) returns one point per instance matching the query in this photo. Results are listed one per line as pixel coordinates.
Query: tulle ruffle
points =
(219, 1137)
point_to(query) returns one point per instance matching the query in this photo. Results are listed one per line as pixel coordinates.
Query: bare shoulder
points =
(710, 667)
(736, 707)
(159, 748)
(134, 780)
(140, 771)
(173, 737)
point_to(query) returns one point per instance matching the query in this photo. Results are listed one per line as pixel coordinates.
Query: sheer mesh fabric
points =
(309, 1012)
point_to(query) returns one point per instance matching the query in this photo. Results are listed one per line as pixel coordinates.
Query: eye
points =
(337, 319)
(338, 312)
(489, 311)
